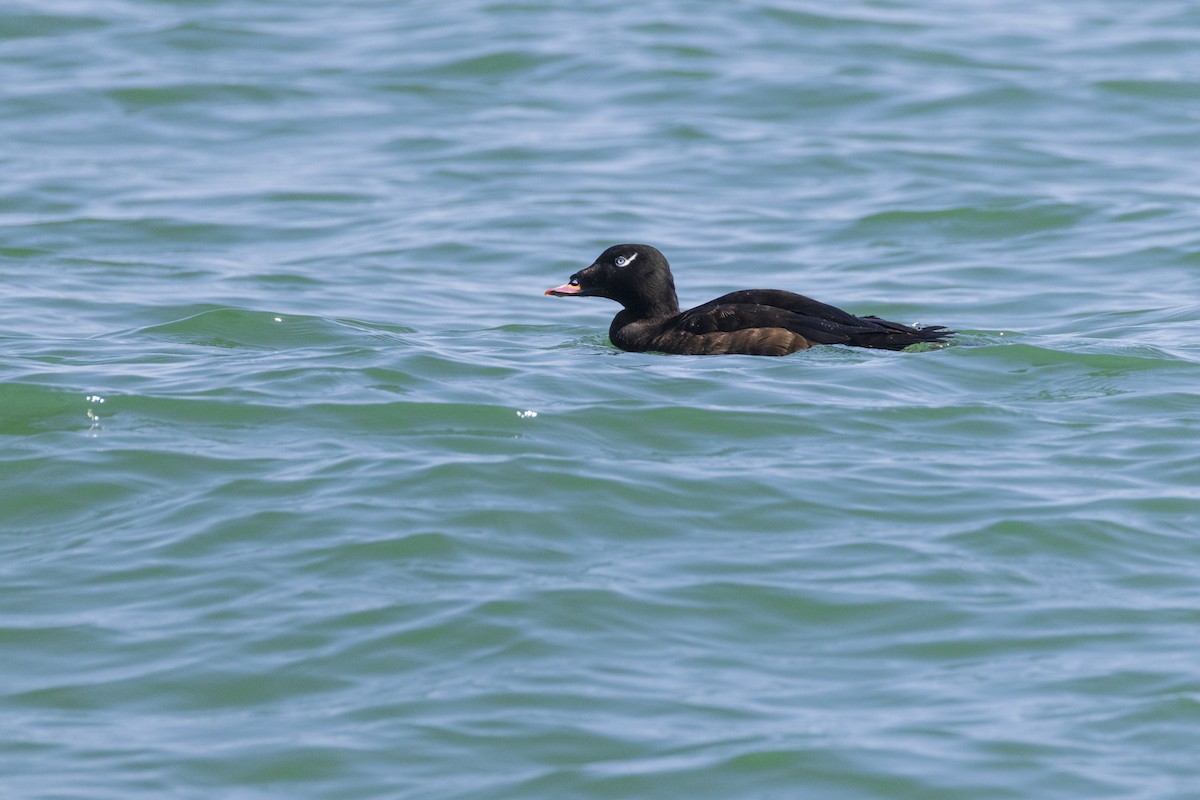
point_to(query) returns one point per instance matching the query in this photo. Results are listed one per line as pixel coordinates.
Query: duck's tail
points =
(895, 336)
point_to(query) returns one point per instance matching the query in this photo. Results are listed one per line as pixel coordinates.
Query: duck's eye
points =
(573, 282)
(622, 261)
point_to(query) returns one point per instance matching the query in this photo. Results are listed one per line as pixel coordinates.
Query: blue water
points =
(307, 491)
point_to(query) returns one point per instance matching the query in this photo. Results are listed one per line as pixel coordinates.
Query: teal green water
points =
(307, 491)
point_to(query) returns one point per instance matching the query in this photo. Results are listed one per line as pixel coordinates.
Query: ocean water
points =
(307, 491)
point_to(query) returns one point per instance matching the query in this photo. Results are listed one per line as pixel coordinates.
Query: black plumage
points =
(765, 322)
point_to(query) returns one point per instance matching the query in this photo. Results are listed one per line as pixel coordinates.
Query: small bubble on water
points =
(92, 416)
(527, 414)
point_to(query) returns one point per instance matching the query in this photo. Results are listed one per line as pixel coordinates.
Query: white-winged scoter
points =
(757, 322)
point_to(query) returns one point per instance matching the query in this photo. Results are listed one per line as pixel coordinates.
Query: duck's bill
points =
(566, 290)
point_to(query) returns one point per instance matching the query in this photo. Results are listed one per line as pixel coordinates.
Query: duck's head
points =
(635, 275)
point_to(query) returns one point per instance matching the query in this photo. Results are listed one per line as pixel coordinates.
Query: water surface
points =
(307, 491)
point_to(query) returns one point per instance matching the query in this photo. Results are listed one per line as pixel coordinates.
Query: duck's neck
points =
(660, 306)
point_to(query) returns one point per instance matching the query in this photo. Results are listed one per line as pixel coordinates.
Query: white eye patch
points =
(624, 261)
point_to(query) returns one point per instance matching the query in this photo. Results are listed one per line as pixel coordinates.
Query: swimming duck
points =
(757, 322)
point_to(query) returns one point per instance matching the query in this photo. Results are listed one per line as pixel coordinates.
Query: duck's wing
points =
(788, 301)
(768, 308)
(817, 322)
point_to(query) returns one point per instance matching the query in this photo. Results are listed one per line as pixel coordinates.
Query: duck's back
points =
(764, 322)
